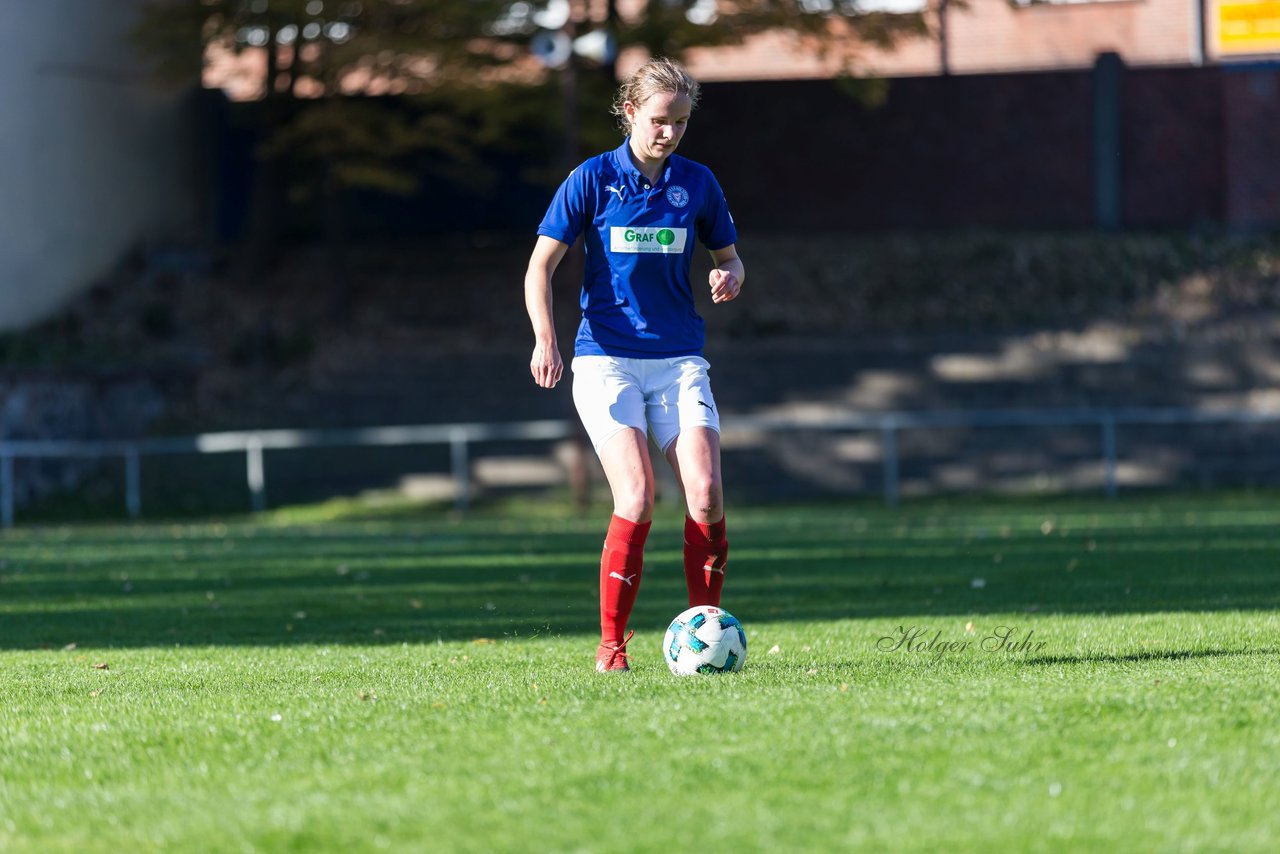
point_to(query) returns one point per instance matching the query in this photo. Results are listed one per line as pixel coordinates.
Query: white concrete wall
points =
(91, 152)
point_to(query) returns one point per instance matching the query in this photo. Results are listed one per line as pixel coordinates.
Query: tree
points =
(316, 59)
(320, 59)
(836, 28)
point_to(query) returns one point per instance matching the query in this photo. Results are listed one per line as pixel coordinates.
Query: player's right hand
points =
(724, 285)
(546, 365)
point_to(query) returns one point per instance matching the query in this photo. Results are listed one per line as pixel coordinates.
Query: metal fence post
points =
(6, 489)
(461, 464)
(256, 473)
(133, 482)
(889, 448)
(1109, 454)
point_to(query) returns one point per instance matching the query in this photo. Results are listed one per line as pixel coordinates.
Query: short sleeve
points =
(715, 225)
(566, 215)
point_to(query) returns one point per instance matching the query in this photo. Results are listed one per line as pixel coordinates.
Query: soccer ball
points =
(705, 639)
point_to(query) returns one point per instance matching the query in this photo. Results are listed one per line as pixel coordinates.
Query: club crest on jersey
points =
(678, 196)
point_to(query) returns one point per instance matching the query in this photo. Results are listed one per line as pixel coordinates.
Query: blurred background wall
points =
(95, 154)
(1115, 146)
(1049, 205)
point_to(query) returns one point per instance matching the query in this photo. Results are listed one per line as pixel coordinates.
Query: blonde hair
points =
(657, 75)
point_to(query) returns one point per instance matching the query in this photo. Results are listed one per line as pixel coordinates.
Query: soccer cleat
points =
(612, 657)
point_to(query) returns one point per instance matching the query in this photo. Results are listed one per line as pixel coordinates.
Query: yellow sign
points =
(1249, 26)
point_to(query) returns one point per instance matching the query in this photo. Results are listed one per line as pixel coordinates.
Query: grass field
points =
(316, 680)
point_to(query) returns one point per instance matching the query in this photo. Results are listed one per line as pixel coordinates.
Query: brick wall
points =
(1251, 142)
(994, 35)
(984, 36)
(960, 151)
(1195, 147)
(1173, 158)
(1002, 150)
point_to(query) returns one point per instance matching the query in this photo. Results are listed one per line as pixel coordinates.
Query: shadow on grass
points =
(1151, 655)
(421, 582)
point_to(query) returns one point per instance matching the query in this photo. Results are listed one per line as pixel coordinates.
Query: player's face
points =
(658, 124)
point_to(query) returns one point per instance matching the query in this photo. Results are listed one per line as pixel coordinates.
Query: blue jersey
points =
(637, 300)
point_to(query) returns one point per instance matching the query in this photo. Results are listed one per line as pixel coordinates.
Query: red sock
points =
(706, 551)
(621, 565)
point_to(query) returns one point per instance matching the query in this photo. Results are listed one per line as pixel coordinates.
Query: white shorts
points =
(664, 395)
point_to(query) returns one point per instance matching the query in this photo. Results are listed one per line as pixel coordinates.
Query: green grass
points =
(325, 679)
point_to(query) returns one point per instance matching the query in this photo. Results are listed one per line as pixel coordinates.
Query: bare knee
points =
(634, 500)
(705, 499)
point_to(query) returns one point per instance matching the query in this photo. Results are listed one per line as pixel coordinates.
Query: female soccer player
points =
(638, 363)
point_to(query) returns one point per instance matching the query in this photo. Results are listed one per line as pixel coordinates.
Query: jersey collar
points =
(628, 166)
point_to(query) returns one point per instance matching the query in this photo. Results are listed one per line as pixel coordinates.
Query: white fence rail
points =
(253, 444)
(460, 437)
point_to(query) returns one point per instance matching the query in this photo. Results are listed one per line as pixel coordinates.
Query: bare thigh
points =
(625, 459)
(695, 458)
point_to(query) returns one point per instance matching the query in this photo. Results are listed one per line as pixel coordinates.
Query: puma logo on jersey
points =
(707, 405)
(623, 578)
(613, 189)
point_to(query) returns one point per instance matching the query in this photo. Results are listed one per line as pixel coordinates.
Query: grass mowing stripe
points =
(438, 692)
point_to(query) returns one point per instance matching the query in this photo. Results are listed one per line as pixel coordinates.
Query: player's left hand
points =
(724, 285)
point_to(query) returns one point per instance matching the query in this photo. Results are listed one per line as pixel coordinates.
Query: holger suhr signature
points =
(923, 640)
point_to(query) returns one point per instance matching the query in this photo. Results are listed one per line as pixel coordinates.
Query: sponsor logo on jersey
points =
(678, 196)
(647, 239)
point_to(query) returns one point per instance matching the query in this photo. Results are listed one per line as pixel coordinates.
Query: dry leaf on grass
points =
(102, 665)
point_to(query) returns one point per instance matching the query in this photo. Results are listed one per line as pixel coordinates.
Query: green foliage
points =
(442, 54)
(407, 684)
(316, 51)
(834, 28)
(424, 40)
(171, 34)
(362, 143)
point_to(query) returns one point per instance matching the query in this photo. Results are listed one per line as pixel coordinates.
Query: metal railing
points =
(253, 444)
